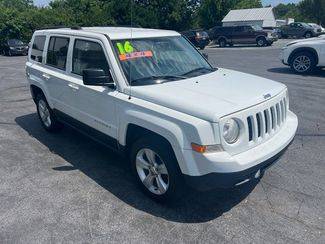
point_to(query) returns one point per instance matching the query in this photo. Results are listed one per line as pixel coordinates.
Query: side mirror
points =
(97, 77)
(206, 56)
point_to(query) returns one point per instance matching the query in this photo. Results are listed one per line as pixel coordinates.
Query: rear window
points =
(57, 52)
(38, 48)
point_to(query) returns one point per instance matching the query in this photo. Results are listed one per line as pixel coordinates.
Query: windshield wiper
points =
(199, 69)
(157, 77)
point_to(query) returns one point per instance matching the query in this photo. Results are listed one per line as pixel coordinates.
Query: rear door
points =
(55, 75)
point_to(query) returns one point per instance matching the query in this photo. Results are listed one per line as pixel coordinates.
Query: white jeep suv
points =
(305, 55)
(150, 94)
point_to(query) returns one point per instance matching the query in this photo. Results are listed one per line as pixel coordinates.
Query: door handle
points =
(46, 76)
(73, 86)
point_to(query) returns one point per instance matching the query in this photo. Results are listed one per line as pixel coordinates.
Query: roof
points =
(117, 32)
(252, 14)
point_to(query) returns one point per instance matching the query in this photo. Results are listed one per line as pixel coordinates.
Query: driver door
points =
(94, 106)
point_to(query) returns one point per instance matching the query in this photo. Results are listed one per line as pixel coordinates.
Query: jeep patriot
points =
(152, 96)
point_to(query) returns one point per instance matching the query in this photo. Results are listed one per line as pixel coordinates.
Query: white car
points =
(304, 56)
(151, 95)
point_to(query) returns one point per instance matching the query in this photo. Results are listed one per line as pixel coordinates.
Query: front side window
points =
(88, 55)
(148, 61)
(37, 48)
(57, 52)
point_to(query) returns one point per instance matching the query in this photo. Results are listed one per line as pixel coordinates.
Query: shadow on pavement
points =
(111, 171)
(286, 70)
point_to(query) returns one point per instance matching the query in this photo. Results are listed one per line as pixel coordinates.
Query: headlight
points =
(12, 48)
(231, 131)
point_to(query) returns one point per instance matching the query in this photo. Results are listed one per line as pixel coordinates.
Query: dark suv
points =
(298, 30)
(199, 38)
(13, 47)
(230, 35)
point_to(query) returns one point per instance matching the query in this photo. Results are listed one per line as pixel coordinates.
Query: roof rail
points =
(61, 27)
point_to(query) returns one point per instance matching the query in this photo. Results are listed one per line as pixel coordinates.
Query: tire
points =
(202, 47)
(9, 53)
(164, 181)
(46, 115)
(308, 34)
(222, 42)
(303, 62)
(261, 42)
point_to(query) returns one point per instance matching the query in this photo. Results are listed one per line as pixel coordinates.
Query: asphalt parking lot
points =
(66, 188)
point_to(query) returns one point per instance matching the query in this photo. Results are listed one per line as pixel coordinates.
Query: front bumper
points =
(19, 51)
(229, 180)
(222, 170)
(270, 40)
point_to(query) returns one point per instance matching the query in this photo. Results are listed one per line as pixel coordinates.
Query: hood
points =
(210, 96)
(321, 37)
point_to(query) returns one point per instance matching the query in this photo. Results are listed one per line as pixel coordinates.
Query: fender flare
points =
(163, 127)
(303, 49)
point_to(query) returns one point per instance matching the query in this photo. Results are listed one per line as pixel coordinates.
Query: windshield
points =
(14, 42)
(305, 25)
(147, 60)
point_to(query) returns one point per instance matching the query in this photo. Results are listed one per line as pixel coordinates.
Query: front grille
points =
(267, 121)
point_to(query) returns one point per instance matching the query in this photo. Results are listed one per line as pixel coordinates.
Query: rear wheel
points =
(46, 115)
(222, 42)
(303, 62)
(156, 169)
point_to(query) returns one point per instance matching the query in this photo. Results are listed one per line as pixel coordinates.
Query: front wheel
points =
(261, 42)
(308, 35)
(303, 62)
(156, 169)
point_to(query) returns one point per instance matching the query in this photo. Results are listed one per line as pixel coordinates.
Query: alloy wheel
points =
(152, 171)
(260, 42)
(302, 63)
(44, 113)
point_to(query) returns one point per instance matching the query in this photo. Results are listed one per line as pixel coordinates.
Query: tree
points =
(313, 10)
(243, 4)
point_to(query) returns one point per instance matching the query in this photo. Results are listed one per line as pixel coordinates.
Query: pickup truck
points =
(230, 35)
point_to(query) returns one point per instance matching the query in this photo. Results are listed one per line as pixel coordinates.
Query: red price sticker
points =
(143, 54)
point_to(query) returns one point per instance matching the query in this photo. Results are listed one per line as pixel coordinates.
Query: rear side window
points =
(57, 52)
(87, 55)
(37, 48)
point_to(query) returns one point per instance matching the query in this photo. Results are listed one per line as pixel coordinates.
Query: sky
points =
(265, 2)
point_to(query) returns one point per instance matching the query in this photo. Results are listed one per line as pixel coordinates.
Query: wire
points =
(130, 69)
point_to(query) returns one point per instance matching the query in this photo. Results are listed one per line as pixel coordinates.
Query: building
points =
(263, 17)
(281, 22)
